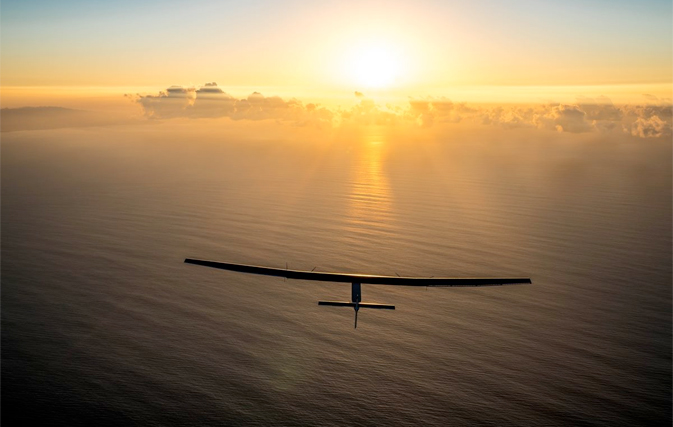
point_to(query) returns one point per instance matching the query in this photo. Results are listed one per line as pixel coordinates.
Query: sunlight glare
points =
(375, 65)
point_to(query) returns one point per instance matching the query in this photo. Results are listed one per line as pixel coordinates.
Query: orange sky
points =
(483, 51)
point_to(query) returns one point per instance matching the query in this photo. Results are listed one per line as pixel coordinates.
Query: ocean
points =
(103, 323)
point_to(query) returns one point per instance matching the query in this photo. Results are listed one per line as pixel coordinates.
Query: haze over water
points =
(103, 323)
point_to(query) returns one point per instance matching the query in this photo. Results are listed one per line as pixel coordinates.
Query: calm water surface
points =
(102, 322)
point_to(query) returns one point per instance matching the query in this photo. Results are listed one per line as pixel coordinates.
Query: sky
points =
(413, 48)
(576, 65)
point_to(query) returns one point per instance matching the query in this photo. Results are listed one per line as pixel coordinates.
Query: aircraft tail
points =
(361, 304)
(357, 306)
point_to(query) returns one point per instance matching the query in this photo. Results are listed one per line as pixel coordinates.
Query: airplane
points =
(357, 280)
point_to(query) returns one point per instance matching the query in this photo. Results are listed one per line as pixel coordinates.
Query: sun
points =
(374, 65)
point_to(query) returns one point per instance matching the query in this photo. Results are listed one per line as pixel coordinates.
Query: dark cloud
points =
(174, 102)
(208, 89)
(179, 92)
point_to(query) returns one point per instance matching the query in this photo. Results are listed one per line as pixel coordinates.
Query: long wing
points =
(363, 278)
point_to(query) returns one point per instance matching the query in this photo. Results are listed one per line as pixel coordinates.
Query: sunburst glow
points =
(375, 65)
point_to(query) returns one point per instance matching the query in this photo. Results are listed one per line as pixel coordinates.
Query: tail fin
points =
(359, 305)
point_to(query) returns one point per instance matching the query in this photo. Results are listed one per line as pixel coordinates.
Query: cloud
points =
(598, 114)
(650, 127)
(174, 102)
(564, 118)
(366, 112)
(210, 101)
(509, 118)
(588, 115)
(426, 111)
(555, 117)
(648, 121)
(600, 108)
(647, 111)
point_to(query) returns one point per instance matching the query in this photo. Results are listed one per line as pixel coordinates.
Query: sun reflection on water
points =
(369, 208)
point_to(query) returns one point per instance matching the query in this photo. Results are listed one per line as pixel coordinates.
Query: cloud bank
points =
(209, 101)
(650, 120)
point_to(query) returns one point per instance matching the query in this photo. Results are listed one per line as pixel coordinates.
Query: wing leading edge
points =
(363, 278)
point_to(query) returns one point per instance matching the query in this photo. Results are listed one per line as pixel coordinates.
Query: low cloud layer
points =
(652, 119)
(209, 101)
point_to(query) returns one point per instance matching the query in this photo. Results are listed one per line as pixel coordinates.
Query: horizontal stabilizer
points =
(337, 303)
(361, 305)
(374, 305)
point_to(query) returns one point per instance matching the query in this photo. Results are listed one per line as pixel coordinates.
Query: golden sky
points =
(485, 51)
